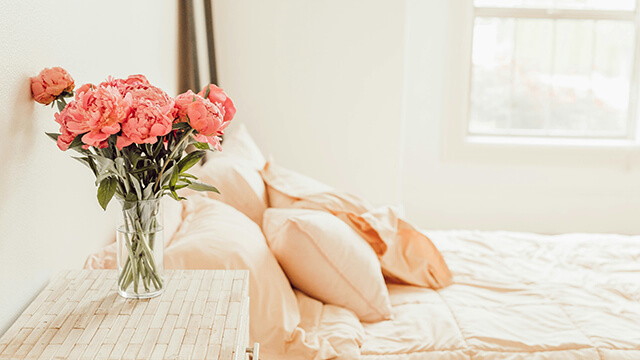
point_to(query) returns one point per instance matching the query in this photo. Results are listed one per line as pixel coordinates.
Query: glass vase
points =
(140, 252)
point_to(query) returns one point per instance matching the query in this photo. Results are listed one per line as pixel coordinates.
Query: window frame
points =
(460, 147)
(515, 136)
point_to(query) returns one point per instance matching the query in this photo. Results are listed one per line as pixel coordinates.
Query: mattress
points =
(519, 296)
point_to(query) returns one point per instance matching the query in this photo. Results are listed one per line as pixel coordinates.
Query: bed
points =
(519, 296)
(501, 295)
(514, 296)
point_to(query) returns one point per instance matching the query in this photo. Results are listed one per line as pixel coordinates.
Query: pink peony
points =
(108, 108)
(204, 116)
(154, 95)
(96, 113)
(139, 113)
(65, 139)
(182, 102)
(84, 88)
(72, 123)
(217, 95)
(136, 80)
(50, 83)
(129, 84)
(152, 116)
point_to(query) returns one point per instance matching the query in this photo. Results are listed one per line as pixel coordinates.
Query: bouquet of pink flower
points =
(133, 136)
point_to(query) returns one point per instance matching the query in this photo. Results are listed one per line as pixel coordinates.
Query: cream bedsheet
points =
(519, 296)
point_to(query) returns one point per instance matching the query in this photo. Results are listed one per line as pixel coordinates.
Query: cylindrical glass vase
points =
(140, 252)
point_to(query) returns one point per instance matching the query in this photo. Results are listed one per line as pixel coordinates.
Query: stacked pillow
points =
(320, 236)
(406, 255)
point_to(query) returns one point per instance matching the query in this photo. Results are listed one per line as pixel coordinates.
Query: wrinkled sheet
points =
(519, 296)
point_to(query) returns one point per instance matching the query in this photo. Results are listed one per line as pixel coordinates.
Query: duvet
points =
(519, 296)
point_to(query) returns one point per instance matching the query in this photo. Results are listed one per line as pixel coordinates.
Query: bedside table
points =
(203, 314)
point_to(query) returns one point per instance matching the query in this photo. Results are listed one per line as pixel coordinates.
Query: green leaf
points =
(61, 104)
(181, 186)
(158, 149)
(174, 177)
(106, 190)
(201, 146)
(181, 126)
(53, 136)
(88, 162)
(129, 201)
(77, 142)
(106, 168)
(137, 186)
(120, 166)
(188, 176)
(146, 193)
(143, 169)
(206, 94)
(174, 195)
(112, 140)
(92, 165)
(190, 160)
(133, 154)
(200, 186)
(167, 173)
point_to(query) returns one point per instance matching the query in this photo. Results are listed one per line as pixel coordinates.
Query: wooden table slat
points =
(203, 314)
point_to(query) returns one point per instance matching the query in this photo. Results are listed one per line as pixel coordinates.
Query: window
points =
(554, 68)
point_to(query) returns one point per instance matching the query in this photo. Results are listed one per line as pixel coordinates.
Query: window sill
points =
(516, 151)
(552, 142)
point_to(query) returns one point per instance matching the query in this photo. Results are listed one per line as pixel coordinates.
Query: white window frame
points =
(578, 14)
(460, 145)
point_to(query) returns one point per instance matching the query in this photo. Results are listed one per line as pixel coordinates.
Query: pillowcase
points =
(326, 259)
(235, 173)
(406, 255)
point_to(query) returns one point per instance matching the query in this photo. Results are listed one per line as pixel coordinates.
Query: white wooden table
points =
(203, 314)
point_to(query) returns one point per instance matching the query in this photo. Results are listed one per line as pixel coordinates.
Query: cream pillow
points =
(213, 235)
(328, 260)
(235, 172)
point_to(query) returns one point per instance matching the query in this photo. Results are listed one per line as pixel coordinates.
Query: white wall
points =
(319, 85)
(450, 184)
(49, 216)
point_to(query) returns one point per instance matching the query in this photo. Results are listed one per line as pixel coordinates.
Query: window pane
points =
(611, 78)
(560, 4)
(551, 77)
(492, 68)
(570, 83)
(530, 106)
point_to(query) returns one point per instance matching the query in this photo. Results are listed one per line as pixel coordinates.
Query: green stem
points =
(164, 167)
(140, 268)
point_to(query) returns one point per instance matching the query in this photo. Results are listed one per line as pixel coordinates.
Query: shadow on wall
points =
(19, 142)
